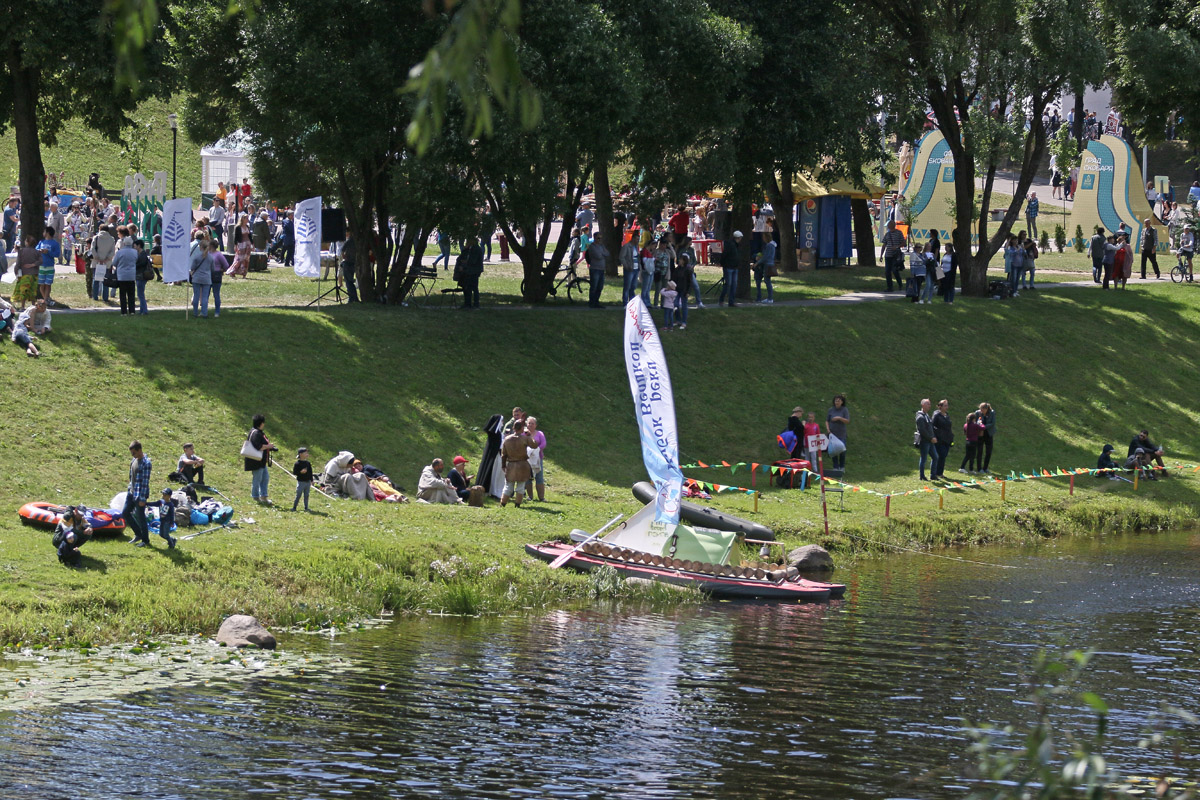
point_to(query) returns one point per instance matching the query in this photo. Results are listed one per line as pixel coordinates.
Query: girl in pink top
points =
(974, 429)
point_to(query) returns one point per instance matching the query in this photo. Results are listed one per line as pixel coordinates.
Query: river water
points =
(863, 698)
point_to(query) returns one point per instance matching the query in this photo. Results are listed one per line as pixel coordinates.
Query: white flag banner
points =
(308, 237)
(176, 230)
(654, 407)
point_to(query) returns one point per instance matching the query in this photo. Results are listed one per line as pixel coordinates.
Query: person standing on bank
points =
(137, 494)
(200, 276)
(925, 440)
(987, 415)
(893, 255)
(1149, 246)
(943, 437)
(631, 267)
(836, 420)
(347, 254)
(259, 468)
(596, 256)
(730, 261)
(514, 459)
(472, 269)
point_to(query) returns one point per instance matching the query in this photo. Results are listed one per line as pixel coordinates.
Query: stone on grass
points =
(811, 558)
(242, 630)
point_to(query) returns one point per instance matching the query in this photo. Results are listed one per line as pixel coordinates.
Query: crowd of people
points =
(934, 436)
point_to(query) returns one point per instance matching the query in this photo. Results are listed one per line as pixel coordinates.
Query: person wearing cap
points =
(1105, 462)
(303, 472)
(433, 488)
(166, 506)
(795, 425)
(730, 262)
(71, 533)
(459, 478)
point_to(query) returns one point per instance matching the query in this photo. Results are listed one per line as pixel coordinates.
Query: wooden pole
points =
(1135, 479)
(1003, 486)
(1072, 485)
(941, 499)
(824, 507)
(756, 502)
(887, 506)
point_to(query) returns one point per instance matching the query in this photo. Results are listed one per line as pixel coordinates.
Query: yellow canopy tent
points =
(805, 186)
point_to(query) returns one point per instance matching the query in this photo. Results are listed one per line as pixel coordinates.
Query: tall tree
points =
(961, 58)
(813, 114)
(54, 72)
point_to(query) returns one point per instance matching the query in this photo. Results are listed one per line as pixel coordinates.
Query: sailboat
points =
(652, 544)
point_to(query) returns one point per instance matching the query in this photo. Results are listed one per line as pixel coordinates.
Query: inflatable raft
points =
(706, 517)
(47, 515)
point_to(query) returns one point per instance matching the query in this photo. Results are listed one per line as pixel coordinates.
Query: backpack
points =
(460, 268)
(60, 536)
(1001, 290)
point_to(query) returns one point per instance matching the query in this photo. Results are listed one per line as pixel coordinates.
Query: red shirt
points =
(244, 190)
(679, 223)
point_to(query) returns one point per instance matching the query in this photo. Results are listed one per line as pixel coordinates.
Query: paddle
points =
(565, 557)
(201, 533)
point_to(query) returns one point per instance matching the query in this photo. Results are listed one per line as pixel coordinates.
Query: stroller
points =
(277, 249)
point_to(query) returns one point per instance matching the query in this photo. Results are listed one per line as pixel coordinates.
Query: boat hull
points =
(716, 586)
(47, 515)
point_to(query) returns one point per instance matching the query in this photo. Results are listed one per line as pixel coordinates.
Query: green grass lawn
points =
(400, 387)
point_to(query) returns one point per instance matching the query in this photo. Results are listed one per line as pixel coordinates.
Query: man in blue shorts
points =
(51, 251)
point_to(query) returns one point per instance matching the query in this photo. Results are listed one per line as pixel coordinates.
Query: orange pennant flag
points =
(702, 465)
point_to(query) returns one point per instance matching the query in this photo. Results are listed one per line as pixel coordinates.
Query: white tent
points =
(227, 161)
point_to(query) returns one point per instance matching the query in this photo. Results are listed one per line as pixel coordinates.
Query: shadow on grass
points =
(1066, 370)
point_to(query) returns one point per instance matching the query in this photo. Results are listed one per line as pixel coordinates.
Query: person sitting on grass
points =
(22, 326)
(72, 532)
(191, 466)
(459, 478)
(433, 488)
(1139, 460)
(1105, 462)
(1153, 451)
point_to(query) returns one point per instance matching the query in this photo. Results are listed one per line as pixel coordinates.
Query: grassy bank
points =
(1067, 371)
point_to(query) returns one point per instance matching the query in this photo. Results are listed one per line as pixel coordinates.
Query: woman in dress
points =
(836, 420)
(28, 261)
(241, 248)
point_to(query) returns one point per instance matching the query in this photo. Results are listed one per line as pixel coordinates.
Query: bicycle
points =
(1181, 272)
(575, 284)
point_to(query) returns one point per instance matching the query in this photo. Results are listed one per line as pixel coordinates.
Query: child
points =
(811, 428)
(1031, 256)
(72, 532)
(974, 429)
(166, 506)
(669, 295)
(303, 471)
(51, 252)
(191, 466)
(1105, 462)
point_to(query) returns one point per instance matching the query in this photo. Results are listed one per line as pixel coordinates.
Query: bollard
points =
(1072, 485)
(1135, 479)
(756, 502)
(887, 506)
(941, 499)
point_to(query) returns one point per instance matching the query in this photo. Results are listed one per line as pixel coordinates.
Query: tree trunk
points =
(743, 220)
(358, 219)
(864, 236)
(783, 201)
(31, 173)
(1077, 130)
(606, 231)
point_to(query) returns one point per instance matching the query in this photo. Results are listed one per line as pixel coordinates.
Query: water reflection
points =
(862, 698)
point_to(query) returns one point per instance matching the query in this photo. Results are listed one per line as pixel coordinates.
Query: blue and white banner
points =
(654, 407)
(176, 233)
(308, 237)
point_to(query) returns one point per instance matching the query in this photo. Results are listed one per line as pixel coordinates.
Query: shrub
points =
(1060, 238)
(1044, 242)
(1079, 245)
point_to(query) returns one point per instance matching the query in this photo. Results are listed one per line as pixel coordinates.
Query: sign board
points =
(818, 442)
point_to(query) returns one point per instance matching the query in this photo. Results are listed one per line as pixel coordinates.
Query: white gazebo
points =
(226, 161)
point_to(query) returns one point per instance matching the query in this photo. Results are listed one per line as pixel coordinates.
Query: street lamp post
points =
(173, 119)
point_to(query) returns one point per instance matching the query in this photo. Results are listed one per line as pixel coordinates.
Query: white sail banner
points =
(308, 237)
(176, 231)
(654, 407)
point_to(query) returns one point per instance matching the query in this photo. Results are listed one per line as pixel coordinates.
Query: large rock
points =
(241, 630)
(811, 558)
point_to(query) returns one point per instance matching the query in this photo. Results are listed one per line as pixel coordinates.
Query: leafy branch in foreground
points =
(1054, 763)
(477, 56)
